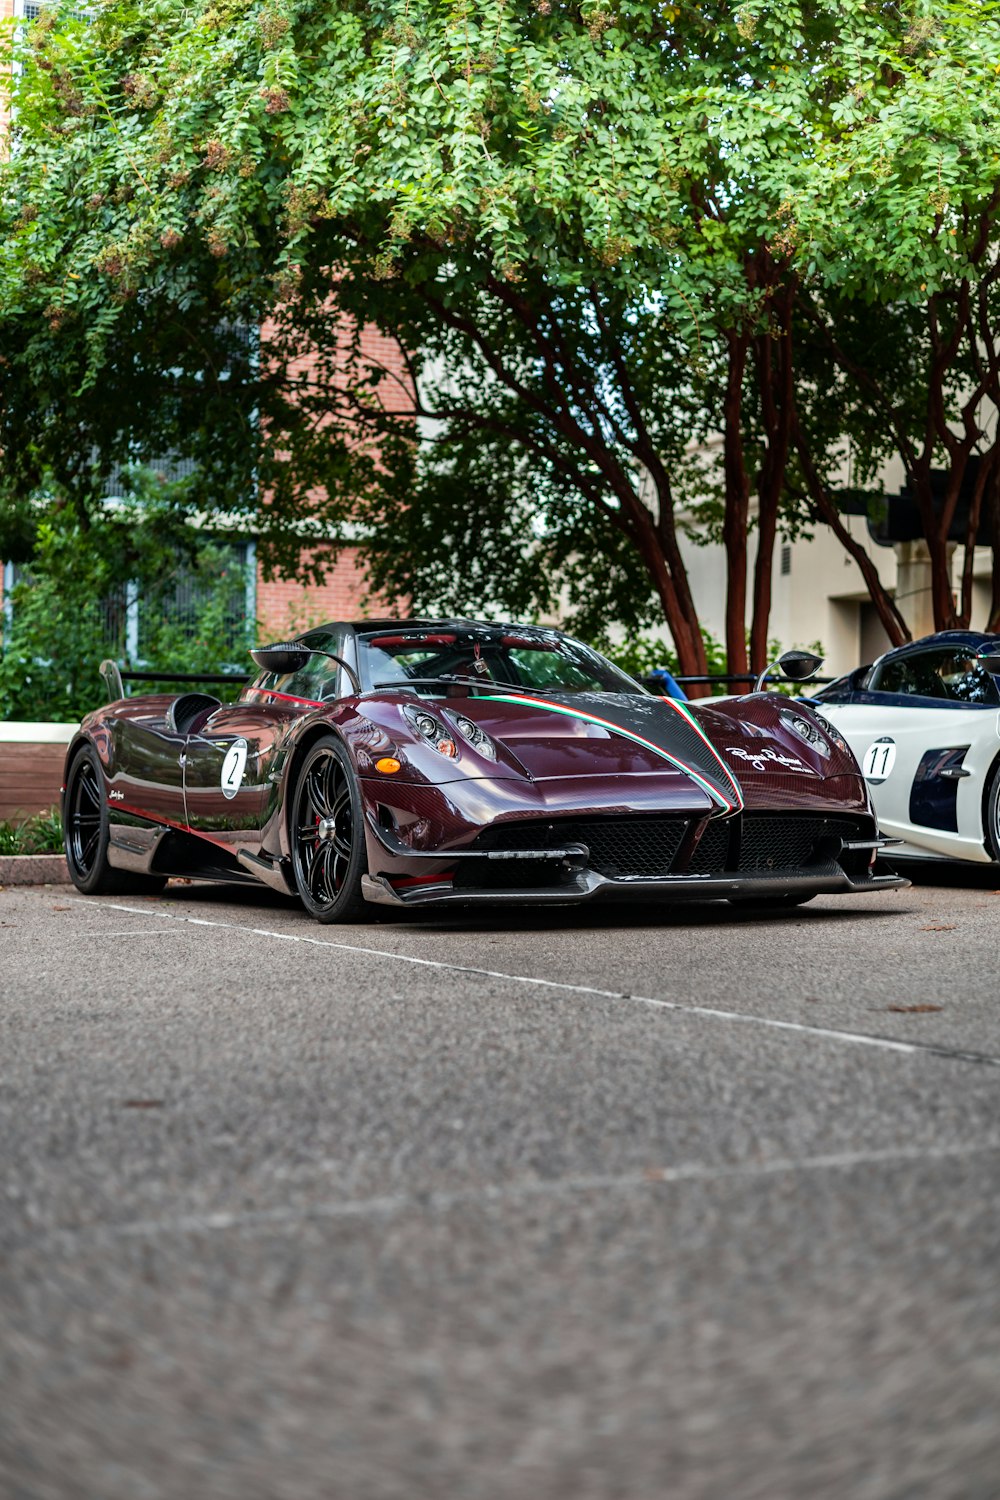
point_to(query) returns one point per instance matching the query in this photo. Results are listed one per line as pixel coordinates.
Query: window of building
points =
(134, 622)
(30, 10)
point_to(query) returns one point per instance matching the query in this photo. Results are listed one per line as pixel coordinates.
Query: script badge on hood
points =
(762, 760)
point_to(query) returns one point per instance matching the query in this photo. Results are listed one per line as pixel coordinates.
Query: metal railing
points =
(750, 677)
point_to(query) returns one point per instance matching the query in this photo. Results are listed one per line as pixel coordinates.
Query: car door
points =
(919, 730)
(233, 764)
(146, 768)
(229, 792)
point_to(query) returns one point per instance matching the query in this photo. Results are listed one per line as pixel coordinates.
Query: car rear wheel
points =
(87, 833)
(328, 836)
(991, 814)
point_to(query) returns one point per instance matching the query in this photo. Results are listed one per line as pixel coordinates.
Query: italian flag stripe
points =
(578, 713)
(686, 713)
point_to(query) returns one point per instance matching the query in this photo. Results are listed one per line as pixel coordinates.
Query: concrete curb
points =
(33, 869)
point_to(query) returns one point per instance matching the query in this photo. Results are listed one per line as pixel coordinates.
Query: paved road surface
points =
(576, 1205)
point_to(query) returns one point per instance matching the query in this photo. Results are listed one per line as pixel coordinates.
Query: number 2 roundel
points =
(233, 768)
(879, 759)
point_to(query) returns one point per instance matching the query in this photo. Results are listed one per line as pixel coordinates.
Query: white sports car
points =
(924, 723)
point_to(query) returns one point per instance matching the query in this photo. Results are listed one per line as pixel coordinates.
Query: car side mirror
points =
(796, 665)
(285, 656)
(799, 666)
(991, 661)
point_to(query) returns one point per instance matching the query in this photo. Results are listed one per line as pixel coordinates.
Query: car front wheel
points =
(327, 835)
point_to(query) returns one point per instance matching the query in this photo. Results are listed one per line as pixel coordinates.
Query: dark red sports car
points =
(421, 762)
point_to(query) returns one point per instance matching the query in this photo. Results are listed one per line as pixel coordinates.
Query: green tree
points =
(597, 230)
(897, 215)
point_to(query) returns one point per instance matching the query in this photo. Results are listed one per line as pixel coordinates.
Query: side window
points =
(965, 680)
(953, 675)
(319, 679)
(915, 676)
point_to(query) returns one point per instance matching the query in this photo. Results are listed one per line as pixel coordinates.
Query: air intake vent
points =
(618, 846)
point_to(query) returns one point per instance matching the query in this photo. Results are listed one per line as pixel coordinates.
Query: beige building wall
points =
(818, 594)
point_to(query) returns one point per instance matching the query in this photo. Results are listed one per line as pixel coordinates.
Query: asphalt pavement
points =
(600, 1204)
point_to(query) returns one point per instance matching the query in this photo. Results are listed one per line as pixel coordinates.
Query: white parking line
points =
(508, 1192)
(852, 1038)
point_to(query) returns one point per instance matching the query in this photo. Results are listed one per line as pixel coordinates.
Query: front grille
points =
(787, 841)
(649, 846)
(618, 846)
(711, 855)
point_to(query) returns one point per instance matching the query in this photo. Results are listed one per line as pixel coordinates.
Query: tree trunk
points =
(767, 531)
(935, 526)
(773, 359)
(657, 544)
(993, 511)
(986, 465)
(737, 507)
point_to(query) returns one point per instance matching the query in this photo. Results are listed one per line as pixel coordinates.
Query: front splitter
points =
(589, 886)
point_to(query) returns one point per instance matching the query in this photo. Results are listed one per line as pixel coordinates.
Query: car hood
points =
(737, 748)
(557, 735)
(761, 749)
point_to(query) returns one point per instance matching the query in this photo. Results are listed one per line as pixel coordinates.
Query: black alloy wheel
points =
(87, 833)
(328, 838)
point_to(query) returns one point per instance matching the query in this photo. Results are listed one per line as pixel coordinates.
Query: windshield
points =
(489, 658)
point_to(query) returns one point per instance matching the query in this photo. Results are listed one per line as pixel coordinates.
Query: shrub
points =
(42, 834)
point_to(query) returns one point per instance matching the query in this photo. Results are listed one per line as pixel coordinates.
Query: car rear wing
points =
(112, 678)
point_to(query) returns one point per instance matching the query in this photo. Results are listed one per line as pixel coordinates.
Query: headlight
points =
(833, 734)
(809, 732)
(433, 731)
(476, 737)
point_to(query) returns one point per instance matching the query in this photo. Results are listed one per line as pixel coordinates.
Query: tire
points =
(86, 834)
(327, 835)
(991, 814)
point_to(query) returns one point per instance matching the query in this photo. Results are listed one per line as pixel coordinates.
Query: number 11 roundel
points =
(879, 759)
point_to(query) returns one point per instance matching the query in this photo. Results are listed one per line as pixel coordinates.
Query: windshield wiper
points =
(470, 684)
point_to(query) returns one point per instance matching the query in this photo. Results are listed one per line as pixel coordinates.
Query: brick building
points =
(283, 606)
